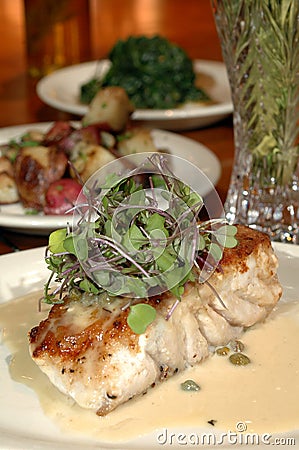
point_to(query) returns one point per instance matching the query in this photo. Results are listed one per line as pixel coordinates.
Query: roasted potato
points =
(35, 169)
(8, 189)
(137, 140)
(90, 159)
(111, 107)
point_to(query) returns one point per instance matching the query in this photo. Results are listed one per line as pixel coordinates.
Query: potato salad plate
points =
(14, 216)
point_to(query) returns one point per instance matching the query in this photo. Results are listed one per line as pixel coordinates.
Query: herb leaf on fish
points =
(137, 237)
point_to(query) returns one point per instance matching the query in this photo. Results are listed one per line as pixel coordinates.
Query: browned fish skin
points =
(91, 354)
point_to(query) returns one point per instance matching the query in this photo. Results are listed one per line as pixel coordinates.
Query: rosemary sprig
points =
(260, 47)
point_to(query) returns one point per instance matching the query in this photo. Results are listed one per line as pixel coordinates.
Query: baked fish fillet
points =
(92, 355)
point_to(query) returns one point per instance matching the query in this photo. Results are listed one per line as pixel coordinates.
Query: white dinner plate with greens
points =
(61, 90)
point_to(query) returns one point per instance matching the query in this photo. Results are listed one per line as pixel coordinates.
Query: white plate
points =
(23, 424)
(14, 217)
(61, 90)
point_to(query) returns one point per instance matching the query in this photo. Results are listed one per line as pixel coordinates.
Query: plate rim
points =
(222, 108)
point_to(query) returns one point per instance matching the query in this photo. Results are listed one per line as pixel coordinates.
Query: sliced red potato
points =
(61, 196)
(35, 169)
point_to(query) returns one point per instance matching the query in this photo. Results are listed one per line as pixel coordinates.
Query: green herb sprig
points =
(260, 47)
(145, 238)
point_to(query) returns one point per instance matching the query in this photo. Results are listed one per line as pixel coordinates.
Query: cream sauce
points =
(263, 394)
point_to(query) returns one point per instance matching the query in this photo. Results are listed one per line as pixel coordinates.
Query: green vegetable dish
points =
(155, 73)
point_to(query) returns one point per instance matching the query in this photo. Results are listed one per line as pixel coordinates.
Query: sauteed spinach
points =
(155, 73)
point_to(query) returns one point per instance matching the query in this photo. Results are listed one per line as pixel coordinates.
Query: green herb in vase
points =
(260, 44)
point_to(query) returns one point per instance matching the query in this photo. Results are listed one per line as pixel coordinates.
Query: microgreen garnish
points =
(140, 316)
(56, 241)
(137, 236)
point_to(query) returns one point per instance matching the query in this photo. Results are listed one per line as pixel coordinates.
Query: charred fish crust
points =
(156, 300)
(103, 411)
(119, 364)
(48, 345)
(33, 333)
(117, 324)
(111, 396)
(164, 369)
(166, 372)
(71, 341)
(249, 241)
(81, 360)
(123, 331)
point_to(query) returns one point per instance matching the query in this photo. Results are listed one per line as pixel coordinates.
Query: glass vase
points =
(260, 46)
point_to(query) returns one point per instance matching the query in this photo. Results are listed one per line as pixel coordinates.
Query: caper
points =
(239, 359)
(237, 346)
(222, 351)
(190, 385)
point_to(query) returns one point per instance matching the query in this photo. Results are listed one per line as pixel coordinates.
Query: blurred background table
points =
(189, 24)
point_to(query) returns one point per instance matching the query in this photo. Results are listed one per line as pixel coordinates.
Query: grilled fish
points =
(90, 353)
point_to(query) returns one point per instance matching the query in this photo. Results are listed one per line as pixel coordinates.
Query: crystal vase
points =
(260, 46)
